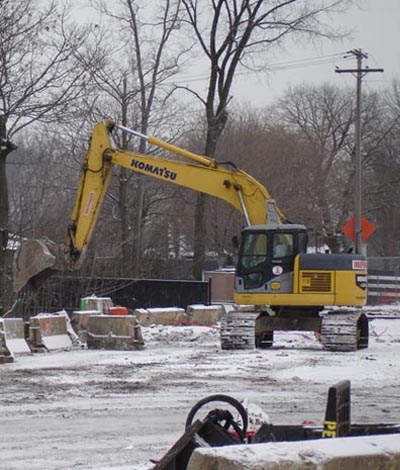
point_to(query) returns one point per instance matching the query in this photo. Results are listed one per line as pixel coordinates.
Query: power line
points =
(293, 64)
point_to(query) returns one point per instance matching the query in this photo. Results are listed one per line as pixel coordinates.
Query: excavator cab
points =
(267, 255)
(275, 269)
(292, 290)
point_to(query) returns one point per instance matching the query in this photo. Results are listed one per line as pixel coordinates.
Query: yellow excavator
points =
(287, 287)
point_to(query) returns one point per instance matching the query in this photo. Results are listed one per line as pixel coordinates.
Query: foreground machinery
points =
(221, 420)
(289, 288)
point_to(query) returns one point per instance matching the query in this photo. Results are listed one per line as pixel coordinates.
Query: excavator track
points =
(344, 331)
(237, 330)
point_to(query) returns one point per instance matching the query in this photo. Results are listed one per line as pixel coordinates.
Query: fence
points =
(383, 280)
(65, 292)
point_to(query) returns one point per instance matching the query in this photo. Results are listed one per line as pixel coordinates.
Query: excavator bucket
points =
(34, 261)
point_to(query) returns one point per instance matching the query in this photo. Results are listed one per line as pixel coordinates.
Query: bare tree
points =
(382, 168)
(257, 141)
(39, 78)
(135, 80)
(302, 150)
(232, 35)
(41, 175)
(324, 116)
(279, 156)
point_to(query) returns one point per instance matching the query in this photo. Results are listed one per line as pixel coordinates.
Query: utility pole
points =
(359, 73)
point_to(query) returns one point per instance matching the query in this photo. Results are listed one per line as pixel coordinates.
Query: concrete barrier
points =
(13, 333)
(49, 332)
(239, 307)
(161, 316)
(380, 452)
(5, 355)
(205, 314)
(118, 332)
(79, 322)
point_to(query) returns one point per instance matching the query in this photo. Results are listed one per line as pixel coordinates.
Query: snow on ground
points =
(115, 410)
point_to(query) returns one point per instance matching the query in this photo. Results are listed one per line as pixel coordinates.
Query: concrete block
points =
(5, 355)
(12, 330)
(116, 332)
(71, 332)
(6, 359)
(205, 314)
(49, 332)
(243, 308)
(79, 322)
(161, 316)
(380, 452)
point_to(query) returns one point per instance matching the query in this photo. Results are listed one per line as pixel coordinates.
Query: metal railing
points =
(383, 280)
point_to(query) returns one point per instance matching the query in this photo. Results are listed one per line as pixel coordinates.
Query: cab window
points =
(282, 245)
(255, 249)
(302, 241)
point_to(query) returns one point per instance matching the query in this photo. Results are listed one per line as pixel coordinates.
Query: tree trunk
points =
(139, 215)
(123, 192)
(3, 227)
(200, 234)
(6, 147)
(123, 206)
(139, 222)
(200, 223)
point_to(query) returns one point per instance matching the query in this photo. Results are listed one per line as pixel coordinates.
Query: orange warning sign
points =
(367, 229)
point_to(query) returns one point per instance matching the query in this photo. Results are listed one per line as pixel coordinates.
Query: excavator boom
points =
(35, 258)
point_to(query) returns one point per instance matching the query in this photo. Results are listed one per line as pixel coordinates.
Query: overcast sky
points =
(375, 26)
(376, 30)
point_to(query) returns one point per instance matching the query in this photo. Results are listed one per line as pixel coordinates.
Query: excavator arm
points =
(36, 258)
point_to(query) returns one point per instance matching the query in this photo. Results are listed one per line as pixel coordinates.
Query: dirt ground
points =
(114, 410)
